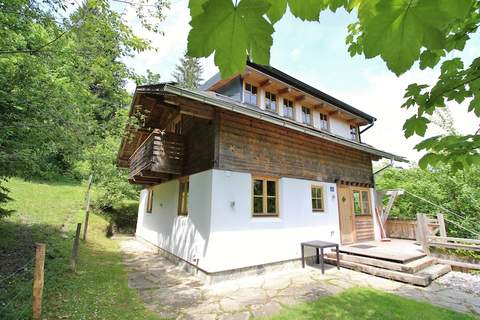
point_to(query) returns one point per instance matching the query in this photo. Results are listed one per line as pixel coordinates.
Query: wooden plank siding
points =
(364, 228)
(199, 146)
(252, 145)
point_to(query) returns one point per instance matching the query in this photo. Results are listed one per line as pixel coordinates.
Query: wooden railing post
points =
(422, 231)
(38, 279)
(74, 255)
(441, 225)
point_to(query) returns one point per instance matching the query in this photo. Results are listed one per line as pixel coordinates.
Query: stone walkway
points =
(175, 294)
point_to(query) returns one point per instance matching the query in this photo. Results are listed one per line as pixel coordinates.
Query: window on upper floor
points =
(354, 133)
(250, 94)
(317, 199)
(183, 197)
(265, 197)
(149, 200)
(306, 115)
(270, 101)
(288, 108)
(323, 121)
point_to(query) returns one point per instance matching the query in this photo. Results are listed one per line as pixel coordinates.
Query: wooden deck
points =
(396, 250)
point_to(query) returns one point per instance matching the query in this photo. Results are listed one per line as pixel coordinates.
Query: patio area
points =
(172, 293)
(395, 250)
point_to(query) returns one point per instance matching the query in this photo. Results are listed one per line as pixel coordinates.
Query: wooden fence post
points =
(74, 256)
(38, 279)
(87, 207)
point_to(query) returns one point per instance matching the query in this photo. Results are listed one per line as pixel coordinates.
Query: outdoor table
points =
(317, 244)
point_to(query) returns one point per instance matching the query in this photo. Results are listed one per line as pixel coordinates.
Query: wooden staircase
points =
(420, 271)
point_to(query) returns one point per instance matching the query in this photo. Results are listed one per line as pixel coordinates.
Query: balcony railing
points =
(158, 158)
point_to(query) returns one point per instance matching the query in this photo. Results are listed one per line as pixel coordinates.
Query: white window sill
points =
(265, 219)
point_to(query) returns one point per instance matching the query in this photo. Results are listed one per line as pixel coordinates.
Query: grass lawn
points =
(364, 303)
(98, 290)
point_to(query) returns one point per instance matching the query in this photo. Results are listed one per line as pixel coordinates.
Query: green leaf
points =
(196, 7)
(396, 30)
(429, 59)
(232, 32)
(307, 9)
(429, 159)
(475, 106)
(277, 10)
(427, 143)
(415, 125)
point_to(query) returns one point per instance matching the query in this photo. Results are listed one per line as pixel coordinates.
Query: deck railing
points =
(160, 153)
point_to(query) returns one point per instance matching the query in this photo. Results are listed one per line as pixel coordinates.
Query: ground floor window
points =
(183, 197)
(265, 197)
(149, 200)
(361, 202)
(317, 199)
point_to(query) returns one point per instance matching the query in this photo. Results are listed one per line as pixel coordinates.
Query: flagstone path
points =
(173, 293)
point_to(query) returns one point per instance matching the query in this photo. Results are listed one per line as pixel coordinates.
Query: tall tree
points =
(188, 73)
(400, 32)
(62, 82)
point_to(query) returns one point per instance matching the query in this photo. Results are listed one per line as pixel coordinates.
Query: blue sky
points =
(316, 54)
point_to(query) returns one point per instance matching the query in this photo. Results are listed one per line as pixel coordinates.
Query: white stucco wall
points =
(186, 237)
(220, 233)
(238, 240)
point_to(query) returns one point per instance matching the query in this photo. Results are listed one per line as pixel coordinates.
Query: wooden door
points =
(347, 218)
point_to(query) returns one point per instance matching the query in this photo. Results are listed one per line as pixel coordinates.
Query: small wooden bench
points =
(317, 244)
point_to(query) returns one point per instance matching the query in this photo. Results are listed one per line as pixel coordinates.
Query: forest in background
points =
(64, 106)
(63, 91)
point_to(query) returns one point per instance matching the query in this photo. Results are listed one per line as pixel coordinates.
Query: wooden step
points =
(435, 271)
(410, 267)
(422, 278)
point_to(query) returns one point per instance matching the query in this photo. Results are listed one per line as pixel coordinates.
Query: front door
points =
(347, 219)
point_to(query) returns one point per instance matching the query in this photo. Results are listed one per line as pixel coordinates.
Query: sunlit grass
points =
(364, 303)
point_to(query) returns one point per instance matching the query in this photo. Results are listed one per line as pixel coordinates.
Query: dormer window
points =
(250, 95)
(306, 116)
(354, 133)
(323, 121)
(270, 101)
(288, 108)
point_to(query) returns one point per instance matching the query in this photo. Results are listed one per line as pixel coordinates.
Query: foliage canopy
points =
(400, 32)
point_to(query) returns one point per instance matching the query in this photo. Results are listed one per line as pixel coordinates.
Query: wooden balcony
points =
(158, 158)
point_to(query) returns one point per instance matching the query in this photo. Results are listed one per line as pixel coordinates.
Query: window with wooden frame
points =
(265, 197)
(270, 101)
(353, 132)
(183, 197)
(306, 115)
(323, 121)
(318, 204)
(288, 108)
(250, 94)
(149, 200)
(361, 202)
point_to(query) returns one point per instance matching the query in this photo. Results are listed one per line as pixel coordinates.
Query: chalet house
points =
(240, 172)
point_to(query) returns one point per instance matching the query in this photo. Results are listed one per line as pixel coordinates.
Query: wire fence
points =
(16, 292)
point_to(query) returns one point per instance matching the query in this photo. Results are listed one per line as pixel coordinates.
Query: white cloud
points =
(295, 52)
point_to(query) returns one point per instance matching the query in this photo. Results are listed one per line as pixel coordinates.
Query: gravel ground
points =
(464, 281)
